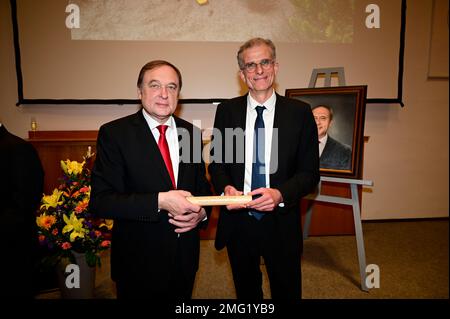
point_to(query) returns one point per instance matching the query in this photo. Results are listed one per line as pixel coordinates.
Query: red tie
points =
(164, 149)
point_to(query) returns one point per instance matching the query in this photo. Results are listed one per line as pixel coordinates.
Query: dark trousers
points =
(255, 239)
(178, 286)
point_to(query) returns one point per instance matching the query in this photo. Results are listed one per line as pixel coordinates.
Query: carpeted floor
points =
(413, 258)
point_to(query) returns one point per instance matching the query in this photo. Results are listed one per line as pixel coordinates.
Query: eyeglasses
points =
(156, 87)
(265, 65)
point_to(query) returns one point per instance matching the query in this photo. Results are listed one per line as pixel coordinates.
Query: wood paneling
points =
(331, 218)
(54, 146)
(62, 135)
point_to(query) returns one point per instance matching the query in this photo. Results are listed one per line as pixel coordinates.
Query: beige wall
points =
(407, 154)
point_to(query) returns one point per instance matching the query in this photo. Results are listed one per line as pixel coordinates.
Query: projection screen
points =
(98, 61)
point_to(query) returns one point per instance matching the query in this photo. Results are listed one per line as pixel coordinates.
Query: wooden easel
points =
(354, 200)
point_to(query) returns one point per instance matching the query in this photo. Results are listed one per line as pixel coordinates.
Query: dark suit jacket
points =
(127, 176)
(22, 181)
(296, 176)
(335, 155)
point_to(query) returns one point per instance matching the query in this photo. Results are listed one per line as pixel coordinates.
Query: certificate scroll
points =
(219, 200)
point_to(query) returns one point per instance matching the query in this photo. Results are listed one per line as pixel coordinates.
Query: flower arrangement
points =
(64, 222)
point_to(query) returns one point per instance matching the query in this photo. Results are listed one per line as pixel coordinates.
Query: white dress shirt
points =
(172, 140)
(322, 143)
(268, 116)
(171, 137)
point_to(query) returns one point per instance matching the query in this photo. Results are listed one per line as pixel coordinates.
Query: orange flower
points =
(45, 221)
(41, 238)
(105, 243)
(55, 232)
(84, 189)
(66, 245)
(74, 195)
(82, 206)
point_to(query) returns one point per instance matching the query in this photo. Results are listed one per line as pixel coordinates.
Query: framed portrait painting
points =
(339, 113)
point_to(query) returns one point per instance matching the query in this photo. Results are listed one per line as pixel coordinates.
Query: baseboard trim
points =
(397, 220)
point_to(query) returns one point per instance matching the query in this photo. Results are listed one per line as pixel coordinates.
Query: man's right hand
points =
(175, 203)
(231, 191)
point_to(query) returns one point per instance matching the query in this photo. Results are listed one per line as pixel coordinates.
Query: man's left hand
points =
(188, 221)
(267, 202)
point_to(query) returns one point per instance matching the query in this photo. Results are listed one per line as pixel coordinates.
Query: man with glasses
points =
(333, 154)
(281, 166)
(141, 179)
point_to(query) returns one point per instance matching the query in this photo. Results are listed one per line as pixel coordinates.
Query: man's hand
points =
(187, 221)
(231, 191)
(175, 203)
(267, 202)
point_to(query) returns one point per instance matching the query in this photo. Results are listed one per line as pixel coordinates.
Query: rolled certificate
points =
(219, 200)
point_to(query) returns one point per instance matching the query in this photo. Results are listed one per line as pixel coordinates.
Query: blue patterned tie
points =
(258, 165)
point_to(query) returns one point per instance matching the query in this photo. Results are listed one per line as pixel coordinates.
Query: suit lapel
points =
(277, 139)
(181, 131)
(242, 113)
(147, 144)
(239, 121)
(3, 130)
(190, 153)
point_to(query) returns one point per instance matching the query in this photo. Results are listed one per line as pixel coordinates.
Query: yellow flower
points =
(72, 167)
(108, 224)
(52, 200)
(45, 221)
(75, 226)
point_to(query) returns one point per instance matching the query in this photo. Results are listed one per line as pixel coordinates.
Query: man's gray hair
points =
(253, 43)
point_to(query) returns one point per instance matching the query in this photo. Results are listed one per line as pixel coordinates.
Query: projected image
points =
(292, 21)
(89, 51)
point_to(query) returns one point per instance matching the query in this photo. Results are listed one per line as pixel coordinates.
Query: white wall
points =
(407, 155)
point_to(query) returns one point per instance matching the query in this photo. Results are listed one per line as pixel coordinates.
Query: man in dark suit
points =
(333, 154)
(21, 189)
(141, 178)
(278, 163)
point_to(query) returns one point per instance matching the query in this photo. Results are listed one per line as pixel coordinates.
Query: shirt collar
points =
(269, 104)
(324, 139)
(152, 123)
